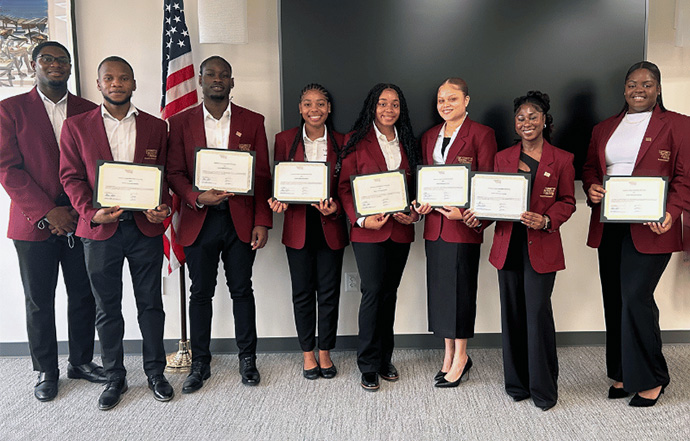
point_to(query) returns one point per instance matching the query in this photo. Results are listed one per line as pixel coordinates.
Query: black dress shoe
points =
(519, 398)
(439, 375)
(389, 372)
(329, 372)
(89, 371)
(370, 381)
(546, 407)
(112, 394)
(465, 374)
(638, 401)
(311, 374)
(617, 392)
(249, 372)
(162, 390)
(46, 387)
(200, 372)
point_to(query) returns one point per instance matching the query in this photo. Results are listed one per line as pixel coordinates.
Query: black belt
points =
(127, 216)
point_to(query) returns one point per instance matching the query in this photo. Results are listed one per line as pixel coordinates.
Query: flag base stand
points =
(180, 361)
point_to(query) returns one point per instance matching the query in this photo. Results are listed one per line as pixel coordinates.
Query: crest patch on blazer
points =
(548, 192)
(239, 134)
(245, 147)
(465, 159)
(151, 154)
(664, 155)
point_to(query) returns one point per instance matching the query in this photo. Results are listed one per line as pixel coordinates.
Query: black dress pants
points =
(633, 336)
(380, 268)
(530, 362)
(315, 273)
(218, 240)
(38, 266)
(104, 261)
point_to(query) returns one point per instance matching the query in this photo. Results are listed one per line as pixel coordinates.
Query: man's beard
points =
(117, 103)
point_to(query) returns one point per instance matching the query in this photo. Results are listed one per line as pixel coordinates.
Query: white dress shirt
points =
(122, 134)
(57, 112)
(390, 149)
(625, 142)
(217, 130)
(437, 156)
(316, 150)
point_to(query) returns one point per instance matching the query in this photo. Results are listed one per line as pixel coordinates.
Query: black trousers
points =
(104, 261)
(451, 279)
(218, 240)
(530, 362)
(38, 266)
(633, 336)
(380, 268)
(315, 272)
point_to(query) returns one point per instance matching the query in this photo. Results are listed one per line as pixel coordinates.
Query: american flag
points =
(179, 93)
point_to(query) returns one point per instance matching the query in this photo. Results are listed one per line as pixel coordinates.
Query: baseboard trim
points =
(349, 343)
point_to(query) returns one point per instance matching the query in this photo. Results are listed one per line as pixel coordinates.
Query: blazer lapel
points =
(430, 152)
(45, 128)
(656, 123)
(236, 125)
(459, 142)
(195, 124)
(142, 140)
(374, 150)
(544, 172)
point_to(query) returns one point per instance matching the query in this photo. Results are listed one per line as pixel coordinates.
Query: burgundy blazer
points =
(660, 155)
(475, 144)
(553, 194)
(294, 227)
(247, 132)
(30, 161)
(368, 158)
(83, 142)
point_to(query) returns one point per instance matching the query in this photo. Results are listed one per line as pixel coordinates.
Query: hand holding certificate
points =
(380, 193)
(227, 170)
(634, 199)
(499, 196)
(301, 182)
(128, 186)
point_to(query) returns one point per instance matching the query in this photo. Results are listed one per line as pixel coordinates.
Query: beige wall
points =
(133, 32)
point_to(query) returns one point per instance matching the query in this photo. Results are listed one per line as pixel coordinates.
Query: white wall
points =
(134, 32)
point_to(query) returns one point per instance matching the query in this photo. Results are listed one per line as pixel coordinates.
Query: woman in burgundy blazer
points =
(381, 140)
(314, 236)
(633, 256)
(452, 248)
(527, 254)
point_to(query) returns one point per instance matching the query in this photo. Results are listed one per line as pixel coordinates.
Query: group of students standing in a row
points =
(51, 189)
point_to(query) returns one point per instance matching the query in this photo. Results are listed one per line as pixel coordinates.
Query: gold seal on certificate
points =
(634, 199)
(226, 170)
(443, 185)
(129, 186)
(301, 182)
(380, 193)
(499, 196)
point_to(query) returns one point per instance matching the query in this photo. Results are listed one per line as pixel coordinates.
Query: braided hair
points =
(656, 74)
(367, 116)
(541, 102)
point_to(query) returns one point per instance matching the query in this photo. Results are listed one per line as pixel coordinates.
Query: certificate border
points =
(467, 195)
(407, 193)
(528, 200)
(101, 162)
(250, 192)
(604, 219)
(328, 181)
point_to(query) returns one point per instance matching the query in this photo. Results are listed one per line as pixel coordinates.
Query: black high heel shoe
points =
(465, 374)
(617, 392)
(439, 375)
(638, 401)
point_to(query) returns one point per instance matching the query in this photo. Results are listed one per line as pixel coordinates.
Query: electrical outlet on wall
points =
(351, 281)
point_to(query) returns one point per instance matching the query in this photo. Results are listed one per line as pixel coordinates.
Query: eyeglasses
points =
(48, 59)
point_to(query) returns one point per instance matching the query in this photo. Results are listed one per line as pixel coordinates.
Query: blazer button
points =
(530, 242)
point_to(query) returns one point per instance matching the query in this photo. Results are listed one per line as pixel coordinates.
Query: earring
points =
(544, 125)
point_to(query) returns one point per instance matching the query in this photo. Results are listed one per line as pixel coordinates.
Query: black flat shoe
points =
(465, 374)
(162, 390)
(389, 372)
(547, 407)
(88, 371)
(370, 381)
(195, 380)
(46, 388)
(312, 374)
(638, 401)
(249, 372)
(329, 372)
(439, 375)
(617, 392)
(517, 399)
(112, 394)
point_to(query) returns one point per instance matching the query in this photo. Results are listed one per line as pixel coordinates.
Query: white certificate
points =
(634, 199)
(301, 182)
(499, 196)
(380, 193)
(129, 186)
(443, 185)
(226, 170)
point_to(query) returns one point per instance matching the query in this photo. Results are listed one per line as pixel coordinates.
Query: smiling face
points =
(116, 82)
(641, 91)
(529, 122)
(216, 80)
(314, 108)
(57, 72)
(451, 102)
(387, 109)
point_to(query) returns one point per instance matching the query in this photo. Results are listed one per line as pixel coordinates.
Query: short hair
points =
(457, 82)
(214, 58)
(115, 58)
(37, 50)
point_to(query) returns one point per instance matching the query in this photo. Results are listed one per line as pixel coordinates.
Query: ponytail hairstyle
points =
(457, 82)
(329, 124)
(656, 74)
(541, 102)
(367, 116)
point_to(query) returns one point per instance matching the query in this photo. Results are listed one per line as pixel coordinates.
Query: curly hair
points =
(656, 74)
(367, 116)
(542, 102)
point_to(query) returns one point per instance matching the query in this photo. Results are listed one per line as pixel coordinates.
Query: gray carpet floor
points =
(285, 406)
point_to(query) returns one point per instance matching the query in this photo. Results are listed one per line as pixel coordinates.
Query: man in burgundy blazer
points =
(119, 131)
(41, 219)
(216, 224)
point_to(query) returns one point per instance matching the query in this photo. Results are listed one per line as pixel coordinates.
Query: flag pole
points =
(181, 361)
